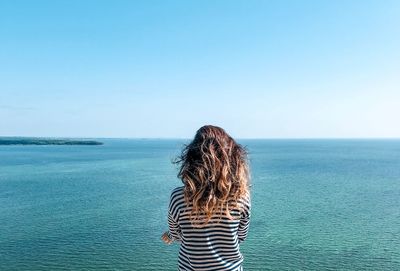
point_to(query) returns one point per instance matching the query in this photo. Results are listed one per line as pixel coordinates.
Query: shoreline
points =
(7, 141)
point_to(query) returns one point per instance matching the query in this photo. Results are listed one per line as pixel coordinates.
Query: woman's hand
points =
(166, 239)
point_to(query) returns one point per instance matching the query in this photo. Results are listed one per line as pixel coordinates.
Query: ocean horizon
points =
(317, 204)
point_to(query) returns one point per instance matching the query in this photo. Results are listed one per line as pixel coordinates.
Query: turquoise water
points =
(317, 205)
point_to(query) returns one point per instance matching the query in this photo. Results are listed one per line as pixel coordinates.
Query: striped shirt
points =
(213, 247)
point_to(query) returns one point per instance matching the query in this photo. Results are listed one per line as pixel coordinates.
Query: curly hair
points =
(215, 172)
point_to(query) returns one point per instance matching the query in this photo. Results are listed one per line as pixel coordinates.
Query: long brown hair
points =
(215, 172)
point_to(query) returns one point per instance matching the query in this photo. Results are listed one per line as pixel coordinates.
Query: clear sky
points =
(259, 69)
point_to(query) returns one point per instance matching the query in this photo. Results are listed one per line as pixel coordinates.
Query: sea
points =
(317, 204)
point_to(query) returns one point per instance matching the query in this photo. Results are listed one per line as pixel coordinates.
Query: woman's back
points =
(214, 246)
(209, 215)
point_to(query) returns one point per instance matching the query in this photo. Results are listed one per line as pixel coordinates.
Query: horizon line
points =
(189, 138)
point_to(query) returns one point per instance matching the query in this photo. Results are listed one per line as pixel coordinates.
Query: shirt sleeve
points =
(174, 230)
(244, 220)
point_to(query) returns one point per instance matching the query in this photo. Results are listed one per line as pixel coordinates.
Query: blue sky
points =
(259, 69)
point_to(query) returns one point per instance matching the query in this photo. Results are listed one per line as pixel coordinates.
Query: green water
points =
(317, 205)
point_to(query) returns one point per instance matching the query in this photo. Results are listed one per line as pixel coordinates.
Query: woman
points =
(209, 215)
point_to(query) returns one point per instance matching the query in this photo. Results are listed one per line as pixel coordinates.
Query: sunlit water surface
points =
(317, 205)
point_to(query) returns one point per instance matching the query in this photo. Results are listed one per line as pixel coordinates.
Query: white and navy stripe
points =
(214, 247)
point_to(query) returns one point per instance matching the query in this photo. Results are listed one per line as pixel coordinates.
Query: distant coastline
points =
(45, 141)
